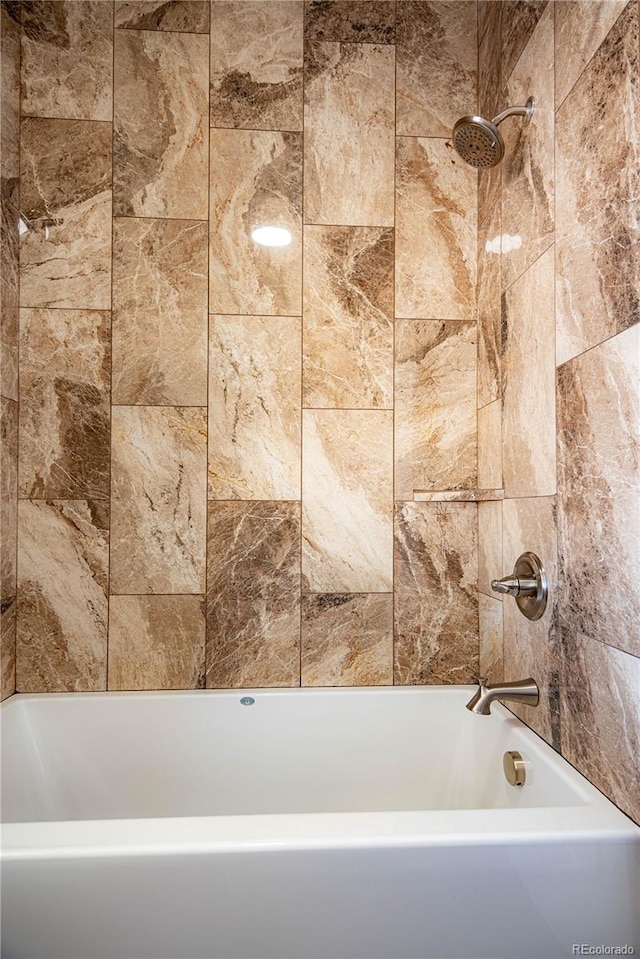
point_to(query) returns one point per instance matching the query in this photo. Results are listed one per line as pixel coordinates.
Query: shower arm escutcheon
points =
(527, 584)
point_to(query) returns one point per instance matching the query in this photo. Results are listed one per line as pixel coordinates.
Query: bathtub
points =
(300, 824)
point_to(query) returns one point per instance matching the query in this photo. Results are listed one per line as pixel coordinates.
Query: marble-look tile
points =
(10, 98)
(9, 298)
(348, 317)
(158, 497)
(65, 377)
(156, 642)
(528, 165)
(253, 595)
(519, 20)
(530, 648)
(65, 201)
(63, 561)
(598, 175)
(491, 639)
(350, 21)
(347, 639)
(490, 446)
(347, 495)
(256, 64)
(435, 406)
(160, 312)
(600, 713)
(67, 59)
(436, 215)
(437, 52)
(580, 28)
(489, 60)
(599, 492)
(8, 651)
(489, 19)
(8, 542)
(489, 284)
(436, 599)
(9, 196)
(528, 373)
(490, 563)
(256, 180)
(161, 96)
(254, 408)
(349, 131)
(458, 496)
(176, 16)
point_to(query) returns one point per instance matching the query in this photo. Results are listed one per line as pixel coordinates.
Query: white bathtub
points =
(309, 825)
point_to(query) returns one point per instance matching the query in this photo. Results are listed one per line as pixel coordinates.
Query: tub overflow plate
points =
(514, 768)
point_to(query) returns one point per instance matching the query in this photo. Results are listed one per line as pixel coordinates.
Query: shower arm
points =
(525, 111)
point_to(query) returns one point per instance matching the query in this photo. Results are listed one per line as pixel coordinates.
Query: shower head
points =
(478, 142)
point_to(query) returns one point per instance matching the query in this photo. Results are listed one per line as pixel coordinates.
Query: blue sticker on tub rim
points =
(247, 701)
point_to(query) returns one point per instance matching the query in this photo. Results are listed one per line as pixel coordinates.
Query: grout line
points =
(208, 364)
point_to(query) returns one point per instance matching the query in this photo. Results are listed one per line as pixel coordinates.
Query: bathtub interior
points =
(70, 757)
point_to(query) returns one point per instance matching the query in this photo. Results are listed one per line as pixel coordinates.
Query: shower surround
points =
(559, 373)
(220, 443)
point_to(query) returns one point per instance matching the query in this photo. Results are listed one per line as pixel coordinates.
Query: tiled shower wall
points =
(219, 443)
(559, 373)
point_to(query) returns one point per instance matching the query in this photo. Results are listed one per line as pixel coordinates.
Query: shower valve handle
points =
(515, 586)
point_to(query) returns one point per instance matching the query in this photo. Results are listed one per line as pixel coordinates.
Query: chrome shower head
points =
(478, 142)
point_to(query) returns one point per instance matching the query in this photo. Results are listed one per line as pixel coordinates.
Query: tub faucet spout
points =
(523, 691)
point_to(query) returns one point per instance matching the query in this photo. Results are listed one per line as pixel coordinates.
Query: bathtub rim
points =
(595, 820)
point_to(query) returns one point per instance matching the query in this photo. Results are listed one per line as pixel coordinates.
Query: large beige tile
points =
(348, 317)
(349, 130)
(347, 639)
(527, 168)
(600, 712)
(437, 54)
(347, 496)
(436, 420)
(349, 21)
(489, 284)
(161, 96)
(9, 296)
(254, 408)
(256, 181)
(256, 64)
(531, 648)
(491, 665)
(158, 497)
(67, 59)
(63, 562)
(156, 642)
(436, 219)
(490, 563)
(253, 595)
(9, 197)
(436, 598)
(65, 383)
(581, 26)
(8, 543)
(176, 16)
(599, 492)
(598, 174)
(528, 361)
(65, 202)
(490, 446)
(159, 312)
(519, 20)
